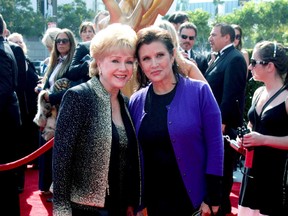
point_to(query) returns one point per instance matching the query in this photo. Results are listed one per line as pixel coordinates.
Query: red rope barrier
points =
(48, 145)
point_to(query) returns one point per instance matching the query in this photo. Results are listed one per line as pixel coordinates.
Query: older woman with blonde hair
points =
(95, 156)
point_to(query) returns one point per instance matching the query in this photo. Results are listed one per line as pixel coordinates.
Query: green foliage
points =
(21, 18)
(71, 15)
(261, 21)
(200, 18)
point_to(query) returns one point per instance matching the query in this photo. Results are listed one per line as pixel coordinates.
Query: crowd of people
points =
(141, 120)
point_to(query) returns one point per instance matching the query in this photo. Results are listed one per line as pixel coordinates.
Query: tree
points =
(261, 21)
(200, 18)
(71, 15)
(21, 18)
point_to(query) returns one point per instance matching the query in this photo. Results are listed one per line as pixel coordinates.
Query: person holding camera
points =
(264, 186)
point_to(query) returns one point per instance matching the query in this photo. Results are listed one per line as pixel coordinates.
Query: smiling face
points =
(116, 68)
(156, 62)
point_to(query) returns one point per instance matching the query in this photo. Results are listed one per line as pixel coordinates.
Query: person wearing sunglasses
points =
(187, 37)
(188, 68)
(238, 43)
(264, 189)
(59, 62)
(227, 79)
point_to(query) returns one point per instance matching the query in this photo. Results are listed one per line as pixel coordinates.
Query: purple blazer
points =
(194, 124)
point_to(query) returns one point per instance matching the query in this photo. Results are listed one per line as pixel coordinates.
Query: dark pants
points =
(45, 169)
(9, 195)
(79, 210)
(230, 158)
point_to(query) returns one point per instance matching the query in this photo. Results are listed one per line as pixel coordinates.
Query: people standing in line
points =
(178, 125)
(10, 123)
(96, 161)
(238, 43)
(187, 37)
(29, 131)
(188, 68)
(86, 31)
(177, 18)
(21, 91)
(227, 79)
(264, 187)
(48, 41)
(59, 62)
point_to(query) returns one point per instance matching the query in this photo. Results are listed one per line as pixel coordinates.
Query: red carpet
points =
(234, 198)
(32, 203)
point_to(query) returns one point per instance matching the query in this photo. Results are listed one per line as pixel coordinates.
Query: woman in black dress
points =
(262, 186)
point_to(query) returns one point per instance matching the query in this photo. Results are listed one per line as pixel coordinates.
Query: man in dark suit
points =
(10, 124)
(187, 37)
(227, 78)
(79, 68)
(27, 81)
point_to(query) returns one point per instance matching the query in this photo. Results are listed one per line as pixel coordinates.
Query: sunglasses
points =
(237, 36)
(64, 41)
(186, 36)
(253, 62)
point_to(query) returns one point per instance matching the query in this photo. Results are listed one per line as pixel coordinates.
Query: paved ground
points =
(237, 175)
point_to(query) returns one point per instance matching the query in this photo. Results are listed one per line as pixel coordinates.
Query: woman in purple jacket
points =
(178, 125)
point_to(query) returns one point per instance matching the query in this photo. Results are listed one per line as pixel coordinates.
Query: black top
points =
(164, 191)
(264, 190)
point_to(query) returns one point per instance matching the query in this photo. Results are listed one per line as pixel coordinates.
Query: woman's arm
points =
(189, 68)
(256, 139)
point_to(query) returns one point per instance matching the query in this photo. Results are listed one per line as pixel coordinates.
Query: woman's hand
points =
(130, 211)
(253, 139)
(46, 96)
(38, 88)
(205, 210)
